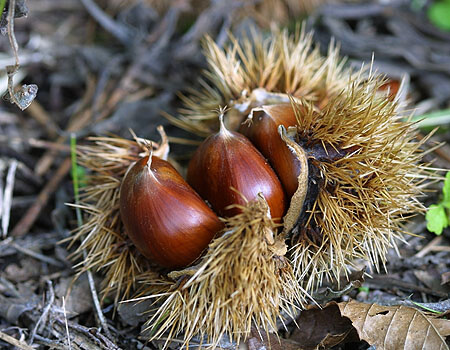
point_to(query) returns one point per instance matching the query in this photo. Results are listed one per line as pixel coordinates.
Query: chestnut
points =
(227, 169)
(163, 216)
(262, 129)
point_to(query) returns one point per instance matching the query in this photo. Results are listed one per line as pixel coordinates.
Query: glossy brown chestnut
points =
(226, 161)
(262, 130)
(163, 216)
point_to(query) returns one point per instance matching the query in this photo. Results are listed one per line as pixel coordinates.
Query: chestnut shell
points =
(226, 166)
(163, 216)
(263, 133)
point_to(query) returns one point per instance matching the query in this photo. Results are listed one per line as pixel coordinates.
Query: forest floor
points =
(106, 66)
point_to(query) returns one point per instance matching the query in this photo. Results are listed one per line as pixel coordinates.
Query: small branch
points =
(13, 341)
(119, 31)
(7, 197)
(24, 225)
(11, 36)
(26, 93)
(83, 337)
(36, 143)
(97, 305)
(11, 70)
(44, 313)
(43, 118)
(37, 256)
(67, 325)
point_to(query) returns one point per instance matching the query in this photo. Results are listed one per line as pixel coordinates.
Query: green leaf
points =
(364, 289)
(446, 191)
(436, 218)
(2, 6)
(438, 118)
(439, 15)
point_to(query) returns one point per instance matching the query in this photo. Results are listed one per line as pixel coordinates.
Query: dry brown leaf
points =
(442, 326)
(432, 279)
(321, 328)
(445, 278)
(394, 327)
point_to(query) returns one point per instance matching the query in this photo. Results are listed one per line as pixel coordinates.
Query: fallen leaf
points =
(394, 327)
(431, 279)
(445, 278)
(12, 308)
(27, 270)
(133, 313)
(442, 326)
(321, 328)
(78, 298)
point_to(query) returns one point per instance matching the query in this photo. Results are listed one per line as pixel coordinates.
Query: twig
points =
(54, 146)
(48, 342)
(81, 119)
(91, 281)
(41, 116)
(440, 248)
(11, 36)
(426, 249)
(7, 197)
(13, 341)
(84, 337)
(96, 301)
(37, 256)
(387, 282)
(45, 312)
(119, 31)
(24, 225)
(27, 93)
(67, 325)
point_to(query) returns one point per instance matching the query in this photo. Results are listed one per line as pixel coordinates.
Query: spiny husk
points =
(360, 198)
(242, 281)
(238, 76)
(104, 246)
(365, 193)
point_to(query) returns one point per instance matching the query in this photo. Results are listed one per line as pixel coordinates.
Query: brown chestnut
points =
(226, 167)
(163, 216)
(262, 130)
